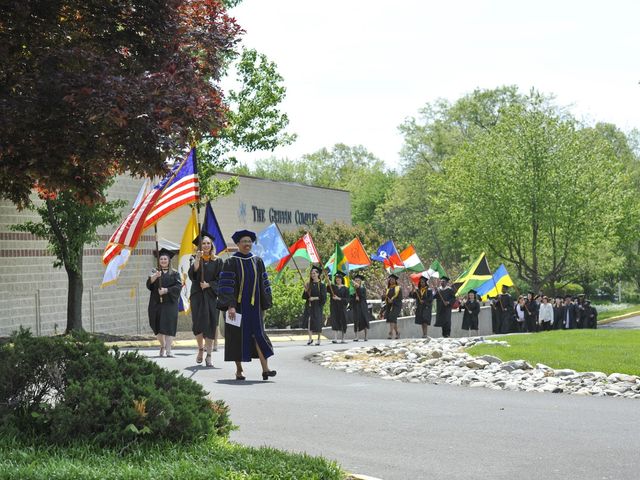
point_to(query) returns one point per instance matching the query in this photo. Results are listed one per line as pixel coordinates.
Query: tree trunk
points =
(74, 297)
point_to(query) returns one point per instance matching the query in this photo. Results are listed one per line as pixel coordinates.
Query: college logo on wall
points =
(242, 212)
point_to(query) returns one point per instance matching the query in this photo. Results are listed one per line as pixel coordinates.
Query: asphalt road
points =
(395, 430)
(632, 323)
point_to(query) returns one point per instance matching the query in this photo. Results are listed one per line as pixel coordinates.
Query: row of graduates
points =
(535, 313)
(238, 286)
(343, 304)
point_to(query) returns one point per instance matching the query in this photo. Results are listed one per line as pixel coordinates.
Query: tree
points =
(325, 237)
(536, 191)
(68, 225)
(90, 89)
(345, 167)
(150, 87)
(410, 213)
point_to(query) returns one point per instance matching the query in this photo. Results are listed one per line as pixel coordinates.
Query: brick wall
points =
(34, 294)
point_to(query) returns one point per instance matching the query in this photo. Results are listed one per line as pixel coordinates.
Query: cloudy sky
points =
(355, 69)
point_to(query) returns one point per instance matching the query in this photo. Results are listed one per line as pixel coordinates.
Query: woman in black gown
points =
(165, 286)
(424, 303)
(315, 294)
(359, 308)
(471, 308)
(204, 272)
(338, 307)
(392, 305)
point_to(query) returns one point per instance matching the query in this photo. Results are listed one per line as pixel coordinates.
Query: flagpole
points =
(291, 258)
(155, 229)
(324, 271)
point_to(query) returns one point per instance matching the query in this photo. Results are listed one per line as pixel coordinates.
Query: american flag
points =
(177, 188)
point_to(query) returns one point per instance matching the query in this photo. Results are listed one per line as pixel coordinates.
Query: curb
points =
(193, 344)
(620, 317)
(356, 476)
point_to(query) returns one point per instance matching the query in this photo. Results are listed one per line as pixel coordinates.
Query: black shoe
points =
(309, 342)
(334, 341)
(268, 373)
(240, 377)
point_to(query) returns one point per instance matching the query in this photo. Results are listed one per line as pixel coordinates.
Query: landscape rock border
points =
(443, 360)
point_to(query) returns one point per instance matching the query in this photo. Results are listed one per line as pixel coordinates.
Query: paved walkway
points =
(401, 431)
(631, 323)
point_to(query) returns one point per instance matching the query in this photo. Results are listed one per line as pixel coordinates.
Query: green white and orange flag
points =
(303, 248)
(411, 261)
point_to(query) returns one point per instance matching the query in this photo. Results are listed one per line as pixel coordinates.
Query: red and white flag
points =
(178, 187)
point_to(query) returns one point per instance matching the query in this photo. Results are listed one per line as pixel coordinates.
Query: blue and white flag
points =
(270, 246)
(212, 227)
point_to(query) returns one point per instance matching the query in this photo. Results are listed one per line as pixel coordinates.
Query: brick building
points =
(34, 294)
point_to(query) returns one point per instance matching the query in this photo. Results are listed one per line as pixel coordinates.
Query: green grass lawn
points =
(616, 313)
(605, 351)
(210, 459)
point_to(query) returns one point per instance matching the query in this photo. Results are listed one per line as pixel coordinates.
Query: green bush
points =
(572, 289)
(288, 305)
(72, 387)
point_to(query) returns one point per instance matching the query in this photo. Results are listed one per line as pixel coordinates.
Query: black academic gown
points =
(244, 285)
(592, 317)
(163, 316)
(557, 317)
(338, 308)
(360, 309)
(471, 310)
(444, 301)
(204, 313)
(495, 316)
(392, 304)
(314, 309)
(424, 304)
(531, 315)
(505, 307)
(568, 316)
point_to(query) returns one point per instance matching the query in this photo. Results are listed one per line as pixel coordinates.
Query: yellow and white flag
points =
(187, 248)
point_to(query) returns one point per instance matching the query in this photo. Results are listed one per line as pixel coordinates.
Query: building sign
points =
(262, 215)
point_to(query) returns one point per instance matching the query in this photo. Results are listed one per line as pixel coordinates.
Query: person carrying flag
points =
(338, 307)
(392, 305)
(315, 294)
(444, 301)
(359, 307)
(164, 285)
(204, 273)
(424, 303)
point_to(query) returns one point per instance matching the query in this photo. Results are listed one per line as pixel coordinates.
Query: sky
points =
(355, 70)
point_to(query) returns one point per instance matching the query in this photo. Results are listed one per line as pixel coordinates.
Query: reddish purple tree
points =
(90, 89)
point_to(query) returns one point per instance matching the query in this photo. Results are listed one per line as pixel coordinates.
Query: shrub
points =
(73, 388)
(288, 305)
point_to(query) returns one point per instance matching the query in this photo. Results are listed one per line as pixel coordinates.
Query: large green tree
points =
(537, 191)
(442, 128)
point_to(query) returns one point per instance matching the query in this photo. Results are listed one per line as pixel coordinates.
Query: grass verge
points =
(618, 313)
(608, 351)
(210, 459)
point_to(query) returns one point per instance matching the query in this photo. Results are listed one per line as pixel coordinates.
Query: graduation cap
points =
(203, 233)
(359, 277)
(166, 253)
(316, 268)
(339, 274)
(240, 234)
(393, 275)
(444, 277)
(472, 291)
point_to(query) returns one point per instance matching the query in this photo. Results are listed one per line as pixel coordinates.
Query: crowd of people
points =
(535, 313)
(238, 286)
